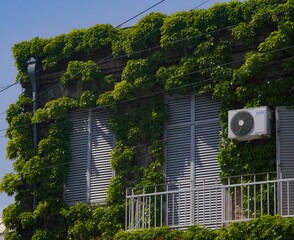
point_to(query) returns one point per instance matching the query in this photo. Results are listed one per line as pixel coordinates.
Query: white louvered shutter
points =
(178, 136)
(76, 184)
(89, 167)
(285, 158)
(208, 205)
(101, 144)
(178, 154)
(192, 138)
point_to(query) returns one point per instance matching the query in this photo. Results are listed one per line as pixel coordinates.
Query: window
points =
(89, 167)
(192, 139)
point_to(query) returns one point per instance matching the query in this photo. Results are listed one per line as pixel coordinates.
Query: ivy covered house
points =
(132, 124)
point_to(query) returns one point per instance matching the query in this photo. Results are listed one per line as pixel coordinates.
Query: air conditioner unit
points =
(249, 124)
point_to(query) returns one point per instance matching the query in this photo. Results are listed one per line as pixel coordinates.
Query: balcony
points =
(211, 203)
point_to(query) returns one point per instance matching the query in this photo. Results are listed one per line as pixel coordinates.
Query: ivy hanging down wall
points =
(240, 52)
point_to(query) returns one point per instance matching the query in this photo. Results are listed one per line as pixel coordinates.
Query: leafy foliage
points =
(88, 99)
(184, 52)
(146, 234)
(266, 227)
(143, 35)
(55, 109)
(197, 232)
(84, 71)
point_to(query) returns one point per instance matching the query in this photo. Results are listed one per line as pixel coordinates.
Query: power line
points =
(187, 85)
(140, 13)
(153, 48)
(142, 51)
(223, 64)
(164, 91)
(154, 94)
(4, 86)
(104, 60)
(227, 74)
(236, 61)
(200, 4)
(112, 57)
(9, 86)
(102, 34)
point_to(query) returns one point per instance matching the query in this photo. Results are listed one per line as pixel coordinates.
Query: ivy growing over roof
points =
(176, 54)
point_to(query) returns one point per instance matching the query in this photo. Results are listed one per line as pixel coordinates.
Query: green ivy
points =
(88, 99)
(200, 233)
(143, 35)
(54, 110)
(266, 227)
(181, 53)
(150, 234)
(83, 71)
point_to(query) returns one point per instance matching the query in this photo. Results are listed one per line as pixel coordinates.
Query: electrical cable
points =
(140, 13)
(228, 27)
(139, 52)
(164, 91)
(202, 81)
(157, 93)
(4, 86)
(153, 48)
(118, 26)
(64, 56)
(214, 78)
(200, 4)
(223, 64)
(9, 86)
(112, 57)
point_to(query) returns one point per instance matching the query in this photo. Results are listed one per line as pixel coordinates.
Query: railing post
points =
(241, 198)
(288, 199)
(248, 201)
(261, 199)
(268, 197)
(126, 209)
(149, 211)
(161, 210)
(254, 197)
(275, 198)
(280, 196)
(173, 209)
(223, 206)
(143, 209)
(155, 197)
(166, 217)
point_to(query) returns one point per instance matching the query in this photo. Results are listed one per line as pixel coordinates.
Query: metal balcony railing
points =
(211, 204)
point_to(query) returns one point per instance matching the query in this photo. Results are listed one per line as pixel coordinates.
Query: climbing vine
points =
(192, 51)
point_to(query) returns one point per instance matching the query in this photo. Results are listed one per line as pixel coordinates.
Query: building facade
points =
(147, 108)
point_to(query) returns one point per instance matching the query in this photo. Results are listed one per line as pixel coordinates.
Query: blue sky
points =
(23, 20)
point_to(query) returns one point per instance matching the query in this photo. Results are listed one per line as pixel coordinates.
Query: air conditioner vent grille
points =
(242, 123)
